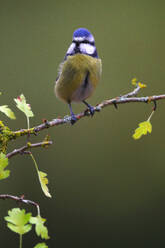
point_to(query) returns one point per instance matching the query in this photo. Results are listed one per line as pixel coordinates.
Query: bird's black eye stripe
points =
(83, 41)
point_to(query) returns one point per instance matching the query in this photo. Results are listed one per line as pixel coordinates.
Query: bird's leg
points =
(91, 108)
(73, 117)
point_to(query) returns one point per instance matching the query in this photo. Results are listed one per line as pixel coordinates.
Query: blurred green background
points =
(108, 189)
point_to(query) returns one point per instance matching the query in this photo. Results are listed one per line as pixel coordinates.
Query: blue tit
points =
(80, 71)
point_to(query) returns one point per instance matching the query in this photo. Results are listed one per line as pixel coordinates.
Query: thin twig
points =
(22, 200)
(28, 146)
(133, 93)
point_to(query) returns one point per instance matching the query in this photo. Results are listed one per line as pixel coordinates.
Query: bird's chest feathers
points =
(75, 68)
(79, 75)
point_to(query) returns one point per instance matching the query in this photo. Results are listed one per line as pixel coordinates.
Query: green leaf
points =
(23, 106)
(3, 163)
(44, 181)
(143, 128)
(17, 221)
(40, 229)
(7, 111)
(42, 178)
(41, 245)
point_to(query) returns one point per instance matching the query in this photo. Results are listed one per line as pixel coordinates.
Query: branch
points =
(22, 200)
(118, 100)
(133, 93)
(127, 98)
(28, 146)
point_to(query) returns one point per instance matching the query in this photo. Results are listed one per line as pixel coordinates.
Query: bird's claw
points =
(73, 119)
(91, 110)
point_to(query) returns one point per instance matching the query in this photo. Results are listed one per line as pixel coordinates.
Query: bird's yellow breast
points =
(72, 74)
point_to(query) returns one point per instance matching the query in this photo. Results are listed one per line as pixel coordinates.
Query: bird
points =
(80, 71)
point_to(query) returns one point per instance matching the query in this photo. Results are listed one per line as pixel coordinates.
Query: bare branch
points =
(133, 93)
(21, 199)
(28, 146)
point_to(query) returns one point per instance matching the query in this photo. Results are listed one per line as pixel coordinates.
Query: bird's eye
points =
(83, 41)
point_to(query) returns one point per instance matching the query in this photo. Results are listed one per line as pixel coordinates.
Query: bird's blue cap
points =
(83, 33)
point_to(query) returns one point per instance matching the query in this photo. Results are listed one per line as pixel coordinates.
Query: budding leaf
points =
(23, 106)
(44, 181)
(134, 81)
(7, 111)
(40, 229)
(17, 221)
(41, 245)
(141, 85)
(143, 128)
(3, 163)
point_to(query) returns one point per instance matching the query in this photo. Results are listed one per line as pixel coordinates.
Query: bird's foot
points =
(73, 119)
(91, 110)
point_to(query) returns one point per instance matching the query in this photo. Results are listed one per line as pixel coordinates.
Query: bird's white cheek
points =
(71, 49)
(87, 48)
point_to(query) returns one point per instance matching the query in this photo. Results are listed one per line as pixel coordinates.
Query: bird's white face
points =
(71, 49)
(84, 48)
(84, 44)
(87, 48)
